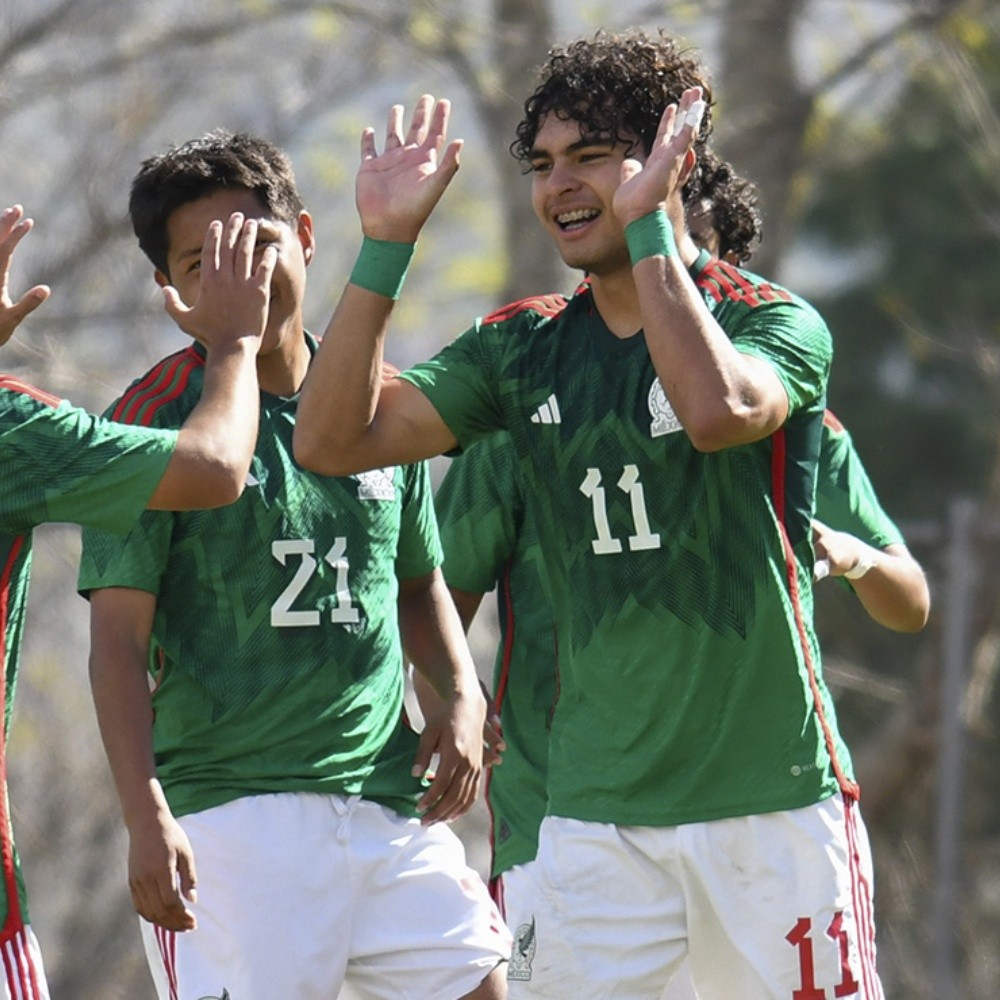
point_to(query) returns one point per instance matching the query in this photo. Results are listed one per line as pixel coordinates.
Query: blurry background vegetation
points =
(871, 128)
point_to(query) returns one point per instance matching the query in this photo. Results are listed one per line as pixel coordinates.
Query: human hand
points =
(233, 294)
(838, 553)
(396, 191)
(454, 730)
(161, 873)
(657, 183)
(13, 228)
(493, 741)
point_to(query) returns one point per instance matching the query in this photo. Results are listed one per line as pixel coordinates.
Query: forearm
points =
(123, 704)
(894, 590)
(434, 639)
(721, 397)
(216, 443)
(340, 396)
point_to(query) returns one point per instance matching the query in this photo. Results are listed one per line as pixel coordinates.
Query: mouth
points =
(569, 222)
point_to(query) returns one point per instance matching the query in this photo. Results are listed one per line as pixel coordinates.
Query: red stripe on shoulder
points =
(547, 305)
(13, 384)
(161, 384)
(831, 420)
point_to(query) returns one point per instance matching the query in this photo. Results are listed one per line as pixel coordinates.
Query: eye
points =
(540, 166)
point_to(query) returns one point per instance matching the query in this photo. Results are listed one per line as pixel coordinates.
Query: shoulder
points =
(162, 391)
(532, 311)
(14, 392)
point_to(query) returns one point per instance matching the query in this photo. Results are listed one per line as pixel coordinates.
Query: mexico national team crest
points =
(664, 420)
(376, 484)
(522, 953)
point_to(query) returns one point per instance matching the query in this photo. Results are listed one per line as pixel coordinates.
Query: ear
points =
(304, 231)
(690, 159)
(161, 279)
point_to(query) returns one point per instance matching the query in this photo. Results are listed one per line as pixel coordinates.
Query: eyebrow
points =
(536, 153)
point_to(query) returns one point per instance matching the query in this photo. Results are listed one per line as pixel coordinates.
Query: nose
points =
(562, 177)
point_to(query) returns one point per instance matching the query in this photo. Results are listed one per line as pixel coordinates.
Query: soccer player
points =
(58, 463)
(667, 420)
(273, 752)
(490, 541)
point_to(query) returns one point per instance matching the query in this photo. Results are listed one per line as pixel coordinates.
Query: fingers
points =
(158, 900)
(450, 794)
(428, 127)
(394, 127)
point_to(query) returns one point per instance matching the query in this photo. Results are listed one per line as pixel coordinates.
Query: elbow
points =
(313, 455)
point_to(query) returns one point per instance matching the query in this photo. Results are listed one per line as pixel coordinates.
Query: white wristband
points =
(861, 567)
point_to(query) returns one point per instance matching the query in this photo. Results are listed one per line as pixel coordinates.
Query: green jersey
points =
(489, 539)
(58, 463)
(845, 497)
(689, 687)
(275, 644)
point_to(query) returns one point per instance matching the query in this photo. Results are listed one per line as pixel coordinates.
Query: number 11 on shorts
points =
(798, 937)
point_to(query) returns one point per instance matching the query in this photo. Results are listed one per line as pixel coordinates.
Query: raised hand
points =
(657, 183)
(13, 228)
(233, 295)
(396, 191)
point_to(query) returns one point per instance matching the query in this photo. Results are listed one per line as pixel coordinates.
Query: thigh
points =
(598, 914)
(23, 976)
(425, 925)
(273, 908)
(780, 905)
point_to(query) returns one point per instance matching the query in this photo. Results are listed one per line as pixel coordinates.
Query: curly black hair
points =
(729, 202)
(195, 170)
(617, 86)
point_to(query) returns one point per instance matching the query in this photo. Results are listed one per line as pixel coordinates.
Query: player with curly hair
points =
(666, 419)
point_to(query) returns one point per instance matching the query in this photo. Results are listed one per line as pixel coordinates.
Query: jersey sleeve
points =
(480, 505)
(461, 381)
(419, 550)
(795, 340)
(845, 497)
(60, 463)
(137, 560)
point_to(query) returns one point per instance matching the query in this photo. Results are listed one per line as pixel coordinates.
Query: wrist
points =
(866, 561)
(651, 235)
(381, 266)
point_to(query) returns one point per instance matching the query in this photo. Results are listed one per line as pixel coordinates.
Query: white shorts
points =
(299, 892)
(775, 905)
(23, 972)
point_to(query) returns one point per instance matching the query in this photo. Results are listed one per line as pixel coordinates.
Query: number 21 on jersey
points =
(343, 611)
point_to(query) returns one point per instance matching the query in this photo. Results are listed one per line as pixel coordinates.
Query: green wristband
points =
(651, 235)
(381, 266)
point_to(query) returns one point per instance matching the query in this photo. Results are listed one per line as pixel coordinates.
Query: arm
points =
(893, 588)
(434, 642)
(466, 604)
(369, 423)
(215, 445)
(161, 869)
(721, 396)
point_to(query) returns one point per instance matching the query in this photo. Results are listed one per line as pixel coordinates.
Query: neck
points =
(281, 371)
(617, 300)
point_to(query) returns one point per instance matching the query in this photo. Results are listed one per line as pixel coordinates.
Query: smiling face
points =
(186, 228)
(574, 179)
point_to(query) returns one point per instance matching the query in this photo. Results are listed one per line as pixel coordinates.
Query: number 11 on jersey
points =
(606, 544)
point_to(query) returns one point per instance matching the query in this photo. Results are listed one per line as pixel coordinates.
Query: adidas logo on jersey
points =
(548, 412)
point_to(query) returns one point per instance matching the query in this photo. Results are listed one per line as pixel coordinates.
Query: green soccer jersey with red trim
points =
(57, 463)
(275, 644)
(845, 497)
(689, 685)
(490, 540)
